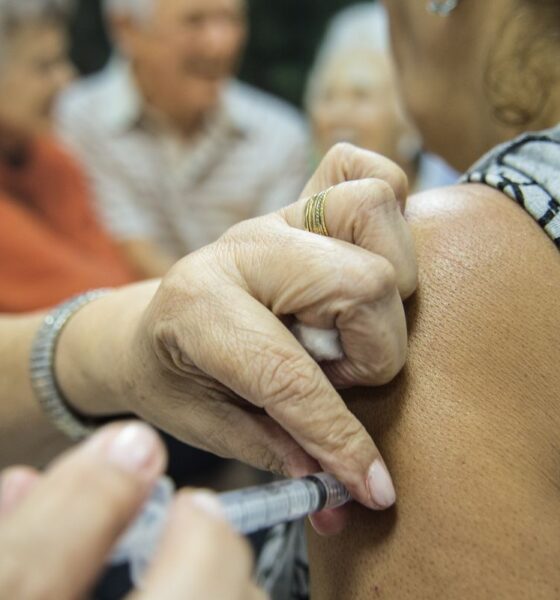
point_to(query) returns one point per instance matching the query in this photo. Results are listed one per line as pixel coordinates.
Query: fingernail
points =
(134, 448)
(208, 503)
(381, 488)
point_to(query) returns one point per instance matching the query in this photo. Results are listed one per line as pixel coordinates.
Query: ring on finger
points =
(315, 221)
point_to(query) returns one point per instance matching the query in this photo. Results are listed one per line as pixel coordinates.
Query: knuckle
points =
(386, 367)
(385, 195)
(382, 278)
(184, 283)
(340, 152)
(375, 196)
(341, 437)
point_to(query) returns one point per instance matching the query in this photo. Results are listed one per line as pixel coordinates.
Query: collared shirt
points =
(251, 158)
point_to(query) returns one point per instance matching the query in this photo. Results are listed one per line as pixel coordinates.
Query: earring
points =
(443, 8)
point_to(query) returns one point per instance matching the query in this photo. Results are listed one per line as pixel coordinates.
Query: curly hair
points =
(519, 82)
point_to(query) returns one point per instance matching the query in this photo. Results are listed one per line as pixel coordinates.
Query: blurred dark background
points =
(284, 37)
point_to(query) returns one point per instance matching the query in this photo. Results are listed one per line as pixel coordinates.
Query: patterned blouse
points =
(528, 171)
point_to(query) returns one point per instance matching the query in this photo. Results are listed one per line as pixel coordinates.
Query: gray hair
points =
(15, 14)
(359, 27)
(139, 9)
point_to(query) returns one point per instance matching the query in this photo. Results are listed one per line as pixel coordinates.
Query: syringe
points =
(248, 510)
(261, 507)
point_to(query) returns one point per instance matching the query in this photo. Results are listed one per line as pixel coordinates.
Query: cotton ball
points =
(322, 344)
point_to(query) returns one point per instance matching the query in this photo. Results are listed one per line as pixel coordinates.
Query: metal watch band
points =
(43, 379)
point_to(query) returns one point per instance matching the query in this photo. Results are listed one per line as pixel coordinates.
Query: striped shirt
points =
(252, 157)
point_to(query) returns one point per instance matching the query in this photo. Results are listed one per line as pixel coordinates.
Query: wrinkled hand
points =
(215, 364)
(57, 530)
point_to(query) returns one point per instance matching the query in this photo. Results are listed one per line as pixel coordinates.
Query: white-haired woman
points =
(352, 96)
(51, 243)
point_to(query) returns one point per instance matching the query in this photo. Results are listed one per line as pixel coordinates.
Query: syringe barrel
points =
(260, 507)
(247, 510)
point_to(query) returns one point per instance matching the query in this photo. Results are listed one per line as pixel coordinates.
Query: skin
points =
(357, 101)
(182, 56)
(470, 427)
(34, 69)
(445, 90)
(99, 487)
(245, 387)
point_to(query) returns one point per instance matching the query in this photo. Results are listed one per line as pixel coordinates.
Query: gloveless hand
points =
(212, 359)
(58, 529)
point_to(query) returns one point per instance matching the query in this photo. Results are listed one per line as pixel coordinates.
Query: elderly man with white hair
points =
(177, 149)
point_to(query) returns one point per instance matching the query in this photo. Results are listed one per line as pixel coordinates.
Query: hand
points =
(212, 361)
(57, 530)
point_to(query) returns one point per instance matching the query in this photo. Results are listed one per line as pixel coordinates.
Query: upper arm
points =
(470, 428)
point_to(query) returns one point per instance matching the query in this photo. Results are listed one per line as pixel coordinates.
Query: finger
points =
(345, 162)
(330, 284)
(366, 213)
(221, 427)
(15, 485)
(331, 521)
(256, 593)
(275, 373)
(200, 555)
(76, 512)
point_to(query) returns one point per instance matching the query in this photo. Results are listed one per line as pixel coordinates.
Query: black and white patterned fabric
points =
(528, 171)
(283, 568)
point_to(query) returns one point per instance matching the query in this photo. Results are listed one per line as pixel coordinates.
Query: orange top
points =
(51, 245)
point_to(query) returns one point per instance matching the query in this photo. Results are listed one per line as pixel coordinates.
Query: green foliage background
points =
(284, 37)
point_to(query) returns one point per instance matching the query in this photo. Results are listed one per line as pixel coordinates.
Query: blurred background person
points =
(352, 96)
(178, 150)
(51, 245)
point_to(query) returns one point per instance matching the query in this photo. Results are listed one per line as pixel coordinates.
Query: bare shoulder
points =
(470, 428)
(477, 221)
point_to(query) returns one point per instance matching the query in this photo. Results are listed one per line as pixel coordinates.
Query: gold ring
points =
(315, 213)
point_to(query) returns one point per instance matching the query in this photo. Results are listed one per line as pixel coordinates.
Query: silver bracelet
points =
(43, 378)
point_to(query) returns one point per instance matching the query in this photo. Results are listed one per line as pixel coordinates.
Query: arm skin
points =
(470, 428)
(26, 436)
(19, 411)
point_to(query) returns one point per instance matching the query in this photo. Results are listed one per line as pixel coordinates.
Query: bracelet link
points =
(41, 364)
